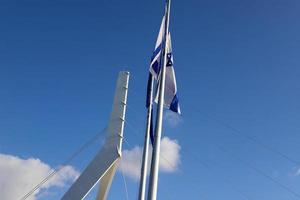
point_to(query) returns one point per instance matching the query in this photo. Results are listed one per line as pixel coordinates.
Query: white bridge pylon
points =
(103, 167)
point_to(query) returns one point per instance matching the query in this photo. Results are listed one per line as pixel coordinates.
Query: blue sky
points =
(237, 64)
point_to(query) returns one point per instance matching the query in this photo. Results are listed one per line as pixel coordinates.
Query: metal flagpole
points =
(152, 193)
(143, 178)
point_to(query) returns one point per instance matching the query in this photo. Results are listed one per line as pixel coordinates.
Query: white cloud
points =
(169, 159)
(172, 118)
(170, 155)
(131, 162)
(18, 176)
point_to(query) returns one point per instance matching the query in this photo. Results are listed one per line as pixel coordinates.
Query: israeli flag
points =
(171, 97)
(156, 57)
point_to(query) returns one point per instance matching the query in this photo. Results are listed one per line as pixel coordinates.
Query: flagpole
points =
(152, 193)
(143, 178)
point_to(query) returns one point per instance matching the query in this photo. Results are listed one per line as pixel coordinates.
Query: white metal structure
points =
(102, 168)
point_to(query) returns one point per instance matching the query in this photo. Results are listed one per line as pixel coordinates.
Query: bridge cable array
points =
(98, 136)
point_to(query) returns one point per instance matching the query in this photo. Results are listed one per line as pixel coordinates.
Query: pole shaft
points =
(143, 178)
(152, 193)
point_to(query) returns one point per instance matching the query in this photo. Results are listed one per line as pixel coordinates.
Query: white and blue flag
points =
(171, 97)
(156, 57)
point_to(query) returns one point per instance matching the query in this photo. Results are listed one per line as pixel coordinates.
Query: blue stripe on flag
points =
(151, 128)
(174, 106)
(156, 67)
(149, 84)
(156, 52)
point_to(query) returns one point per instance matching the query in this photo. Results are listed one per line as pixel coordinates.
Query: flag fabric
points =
(148, 102)
(156, 57)
(171, 100)
(151, 128)
(171, 97)
(154, 72)
(149, 88)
